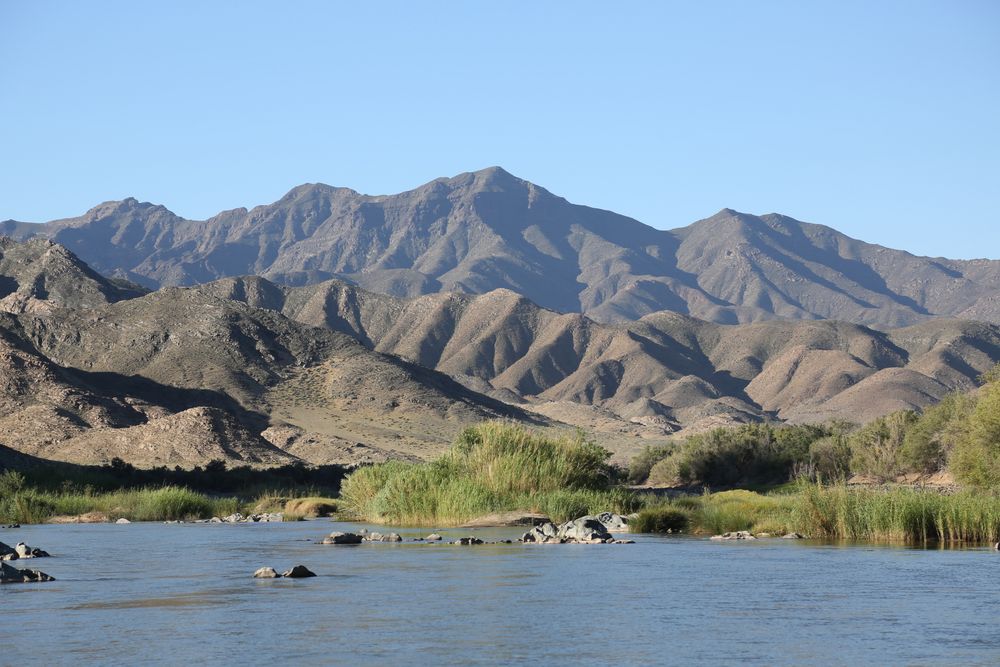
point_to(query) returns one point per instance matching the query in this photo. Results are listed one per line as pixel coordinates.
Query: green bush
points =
(642, 463)
(753, 454)
(664, 519)
(975, 459)
(876, 448)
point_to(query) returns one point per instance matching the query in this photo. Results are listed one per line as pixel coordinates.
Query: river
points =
(145, 594)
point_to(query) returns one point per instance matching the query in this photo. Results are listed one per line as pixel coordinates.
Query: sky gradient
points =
(878, 119)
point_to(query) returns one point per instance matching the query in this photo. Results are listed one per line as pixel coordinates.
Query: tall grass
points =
(904, 515)
(28, 505)
(492, 467)
(836, 512)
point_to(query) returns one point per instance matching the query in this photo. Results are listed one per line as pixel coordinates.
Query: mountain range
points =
(487, 230)
(372, 328)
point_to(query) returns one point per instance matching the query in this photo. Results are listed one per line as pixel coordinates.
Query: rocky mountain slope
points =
(665, 370)
(486, 230)
(181, 377)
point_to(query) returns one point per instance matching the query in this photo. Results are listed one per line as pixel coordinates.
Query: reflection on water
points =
(169, 594)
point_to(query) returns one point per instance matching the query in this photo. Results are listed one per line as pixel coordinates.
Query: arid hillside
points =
(487, 230)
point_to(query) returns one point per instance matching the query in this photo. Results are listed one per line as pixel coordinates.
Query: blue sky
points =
(880, 119)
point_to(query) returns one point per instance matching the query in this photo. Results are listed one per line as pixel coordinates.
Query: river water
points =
(145, 594)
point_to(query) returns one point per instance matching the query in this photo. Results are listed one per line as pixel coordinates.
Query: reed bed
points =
(160, 504)
(901, 515)
(492, 467)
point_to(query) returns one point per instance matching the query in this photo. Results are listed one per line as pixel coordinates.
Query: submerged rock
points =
(299, 572)
(342, 538)
(266, 573)
(737, 535)
(12, 575)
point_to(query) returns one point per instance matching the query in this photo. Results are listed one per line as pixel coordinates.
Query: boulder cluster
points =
(264, 517)
(10, 574)
(20, 550)
(585, 530)
(297, 572)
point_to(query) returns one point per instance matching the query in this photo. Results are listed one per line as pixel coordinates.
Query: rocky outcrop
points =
(379, 537)
(20, 550)
(12, 575)
(236, 517)
(343, 538)
(298, 572)
(585, 530)
(736, 535)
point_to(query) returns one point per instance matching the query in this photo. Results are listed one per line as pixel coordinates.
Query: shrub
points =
(875, 448)
(642, 463)
(664, 519)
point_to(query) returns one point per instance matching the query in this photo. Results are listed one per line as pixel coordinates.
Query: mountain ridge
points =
(484, 230)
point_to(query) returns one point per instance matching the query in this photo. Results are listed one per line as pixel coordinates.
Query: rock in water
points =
(266, 573)
(24, 551)
(122, 521)
(433, 537)
(468, 541)
(615, 523)
(793, 536)
(738, 535)
(342, 538)
(379, 537)
(12, 575)
(547, 532)
(299, 572)
(585, 529)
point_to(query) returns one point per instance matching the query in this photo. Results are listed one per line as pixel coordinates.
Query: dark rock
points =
(12, 575)
(299, 572)
(467, 541)
(343, 538)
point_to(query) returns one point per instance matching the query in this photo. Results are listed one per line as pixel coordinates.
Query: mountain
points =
(181, 377)
(665, 370)
(488, 230)
(39, 275)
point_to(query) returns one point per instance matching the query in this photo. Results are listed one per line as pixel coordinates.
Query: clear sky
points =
(881, 119)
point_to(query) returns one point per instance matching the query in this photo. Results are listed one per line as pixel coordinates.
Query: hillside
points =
(488, 230)
(666, 370)
(181, 377)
